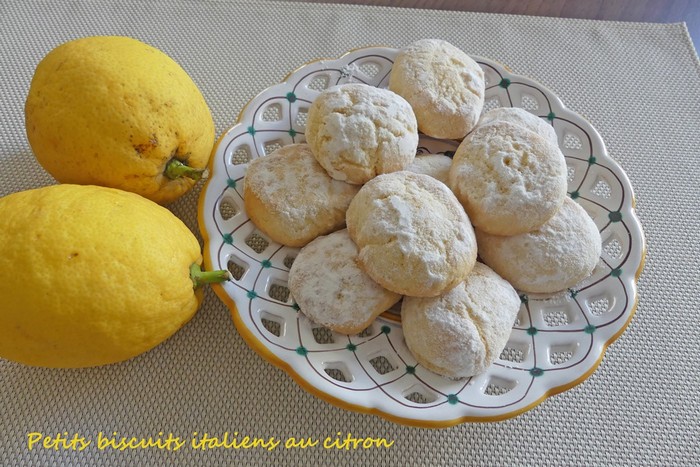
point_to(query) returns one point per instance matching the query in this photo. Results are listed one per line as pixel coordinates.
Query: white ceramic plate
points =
(556, 342)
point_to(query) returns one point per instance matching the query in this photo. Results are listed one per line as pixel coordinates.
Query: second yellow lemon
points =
(91, 275)
(114, 111)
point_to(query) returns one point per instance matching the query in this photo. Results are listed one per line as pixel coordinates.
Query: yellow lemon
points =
(116, 112)
(91, 275)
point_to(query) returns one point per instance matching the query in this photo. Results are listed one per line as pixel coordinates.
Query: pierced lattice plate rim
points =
(557, 340)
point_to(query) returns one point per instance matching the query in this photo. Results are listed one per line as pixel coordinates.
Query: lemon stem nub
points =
(176, 169)
(200, 277)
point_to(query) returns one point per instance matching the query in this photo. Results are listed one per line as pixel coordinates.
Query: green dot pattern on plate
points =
(615, 216)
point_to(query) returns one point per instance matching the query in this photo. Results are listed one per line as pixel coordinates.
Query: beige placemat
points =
(637, 83)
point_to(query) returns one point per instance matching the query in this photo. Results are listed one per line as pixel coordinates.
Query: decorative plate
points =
(557, 340)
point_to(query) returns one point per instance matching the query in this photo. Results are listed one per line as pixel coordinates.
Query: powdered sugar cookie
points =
(509, 179)
(414, 237)
(292, 199)
(358, 131)
(558, 255)
(443, 84)
(332, 290)
(462, 332)
(522, 117)
(435, 165)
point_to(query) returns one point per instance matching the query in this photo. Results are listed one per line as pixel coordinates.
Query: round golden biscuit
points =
(444, 85)
(558, 255)
(462, 332)
(332, 290)
(357, 131)
(289, 196)
(414, 237)
(509, 179)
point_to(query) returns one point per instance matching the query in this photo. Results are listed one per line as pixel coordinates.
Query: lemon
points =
(91, 275)
(114, 111)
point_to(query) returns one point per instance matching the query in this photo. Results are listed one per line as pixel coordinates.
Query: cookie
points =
(558, 255)
(332, 290)
(435, 165)
(509, 179)
(414, 237)
(291, 198)
(462, 332)
(444, 85)
(521, 117)
(357, 131)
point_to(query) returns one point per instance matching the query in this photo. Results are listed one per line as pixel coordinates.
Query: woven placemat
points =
(638, 84)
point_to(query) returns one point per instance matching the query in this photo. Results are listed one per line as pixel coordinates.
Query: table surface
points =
(654, 11)
(637, 83)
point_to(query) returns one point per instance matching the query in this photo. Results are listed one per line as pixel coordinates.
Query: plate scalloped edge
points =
(557, 341)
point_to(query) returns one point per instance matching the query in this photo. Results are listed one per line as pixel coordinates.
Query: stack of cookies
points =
(378, 224)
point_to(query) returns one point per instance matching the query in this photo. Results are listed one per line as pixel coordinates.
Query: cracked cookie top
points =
(357, 131)
(556, 256)
(444, 85)
(460, 333)
(289, 196)
(509, 179)
(331, 289)
(413, 236)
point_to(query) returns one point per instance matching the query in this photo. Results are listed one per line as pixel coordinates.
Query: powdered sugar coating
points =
(558, 255)
(521, 117)
(291, 198)
(414, 237)
(357, 131)
(435, 165)
(443, 84)
(509, 179)
(462, 332)
(332, 290)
